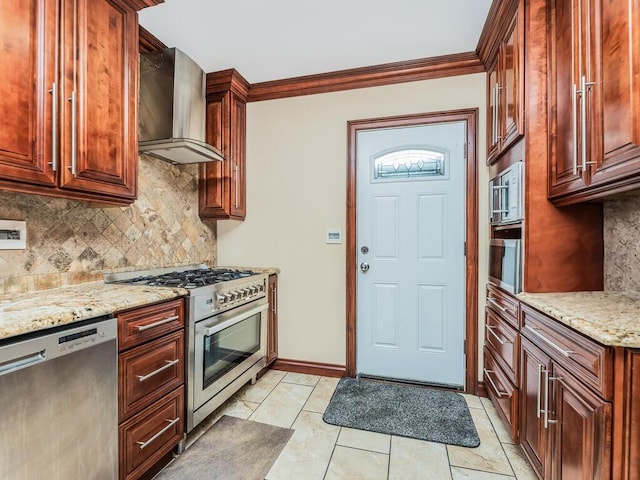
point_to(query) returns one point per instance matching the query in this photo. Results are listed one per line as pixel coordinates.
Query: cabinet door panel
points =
(513, 88)
(99, 147)
(238, 146)
(581, 435)
(28, 39)
(565, 59)
(533, 434)
(615, 60)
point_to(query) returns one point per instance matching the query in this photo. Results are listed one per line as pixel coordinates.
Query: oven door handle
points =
(208, 331)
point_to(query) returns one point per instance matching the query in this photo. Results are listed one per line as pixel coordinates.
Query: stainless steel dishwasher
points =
(58, 404)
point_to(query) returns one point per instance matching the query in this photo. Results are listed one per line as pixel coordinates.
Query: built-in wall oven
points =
(505, 264)
(227, 330)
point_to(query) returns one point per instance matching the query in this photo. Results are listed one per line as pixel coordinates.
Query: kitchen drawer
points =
(504, 304)
(151, 434)
(149, 372)
(147, 323)
(504, 343)
(585, 358)
(502, 392)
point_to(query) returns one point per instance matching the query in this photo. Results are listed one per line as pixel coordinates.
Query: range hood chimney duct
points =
(173, 109)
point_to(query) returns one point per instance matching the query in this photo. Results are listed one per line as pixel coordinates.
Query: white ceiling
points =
(276, 39)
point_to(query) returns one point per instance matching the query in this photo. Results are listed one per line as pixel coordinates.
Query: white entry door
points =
(411, 266)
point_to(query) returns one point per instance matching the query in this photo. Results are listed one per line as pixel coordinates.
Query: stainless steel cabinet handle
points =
(566, 353)
(546, 398)
(538, 408)
(74, 135)
(495, 114)
(142, 328)
(275, 301)
(493, 304)
(584, 86)
(547, 420)
(495, 335)
(495, 387)
(54, 127)
(498, 136)
(144, 445)
(168, 364)
(235, 175)
(574, 117)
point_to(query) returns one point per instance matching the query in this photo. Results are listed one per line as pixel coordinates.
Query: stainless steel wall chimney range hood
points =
(173, 109)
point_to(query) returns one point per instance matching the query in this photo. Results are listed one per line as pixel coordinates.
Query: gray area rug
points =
(233, 449)
(404, 410)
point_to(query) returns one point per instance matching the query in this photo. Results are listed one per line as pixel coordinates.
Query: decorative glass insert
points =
(409, 163)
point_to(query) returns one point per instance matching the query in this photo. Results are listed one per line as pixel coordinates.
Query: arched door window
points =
(410, 163)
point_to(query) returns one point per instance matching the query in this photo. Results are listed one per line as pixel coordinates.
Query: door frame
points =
(470, 117)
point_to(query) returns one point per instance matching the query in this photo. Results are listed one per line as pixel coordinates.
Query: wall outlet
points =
(13, 235)
(334, 236)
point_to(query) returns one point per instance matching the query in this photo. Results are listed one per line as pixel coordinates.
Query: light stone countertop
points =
(267, 270)
(611, 318)
(30, 312)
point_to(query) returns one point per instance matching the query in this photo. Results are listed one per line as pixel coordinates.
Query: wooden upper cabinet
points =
(99, 146)
(505, 90)
(222, 185)
(594, 108)
(27, 94)
(69, 99)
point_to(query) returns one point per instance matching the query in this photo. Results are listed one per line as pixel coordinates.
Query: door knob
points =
(364, 267)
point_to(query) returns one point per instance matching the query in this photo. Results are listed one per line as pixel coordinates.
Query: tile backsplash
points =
(70, 241)
(622, 244)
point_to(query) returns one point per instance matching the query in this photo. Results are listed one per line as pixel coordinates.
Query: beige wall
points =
(296, 189)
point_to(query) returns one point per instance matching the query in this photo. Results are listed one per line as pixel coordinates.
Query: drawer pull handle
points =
(142, 328)
(144, 445)
(566, 353)
(492, 303)
(169, 363)
(495, 387)
(495, 335)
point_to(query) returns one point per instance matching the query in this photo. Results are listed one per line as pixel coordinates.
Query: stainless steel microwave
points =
(505, 264)
(506, 196)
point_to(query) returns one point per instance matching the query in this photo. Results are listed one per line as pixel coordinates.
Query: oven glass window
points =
(230, 347)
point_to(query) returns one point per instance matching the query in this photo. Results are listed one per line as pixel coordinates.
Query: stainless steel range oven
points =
(228, 345)
(227, 330)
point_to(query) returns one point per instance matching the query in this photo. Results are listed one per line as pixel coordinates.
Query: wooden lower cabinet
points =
(566, 417)
(272, 326)
(151, 365)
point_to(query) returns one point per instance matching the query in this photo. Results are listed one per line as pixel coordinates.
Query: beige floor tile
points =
(520, 465)
(372, 441)
(498, 425)
(262, 388)
(489, 456)
(472, 401)
(466, 474)
(301, 379)
(321, 395)
(283, 405)
(413, 459)
(352, 464)
(309, 450)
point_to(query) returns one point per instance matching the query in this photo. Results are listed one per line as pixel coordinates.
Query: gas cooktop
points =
(194, 277)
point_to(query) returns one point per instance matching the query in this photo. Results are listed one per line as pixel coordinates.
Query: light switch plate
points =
(13, 235)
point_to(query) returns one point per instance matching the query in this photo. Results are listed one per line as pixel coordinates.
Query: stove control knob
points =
(228, 296)
(221, 298)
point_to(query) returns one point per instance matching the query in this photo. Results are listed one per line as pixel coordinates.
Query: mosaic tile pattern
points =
(622, 244)
(70, 242)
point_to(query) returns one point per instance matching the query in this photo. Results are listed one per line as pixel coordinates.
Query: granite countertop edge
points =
(608, 317)
(40, 310)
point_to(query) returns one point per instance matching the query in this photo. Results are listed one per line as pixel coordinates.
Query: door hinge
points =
(464, 345)
(465, 249)
(466, 147)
